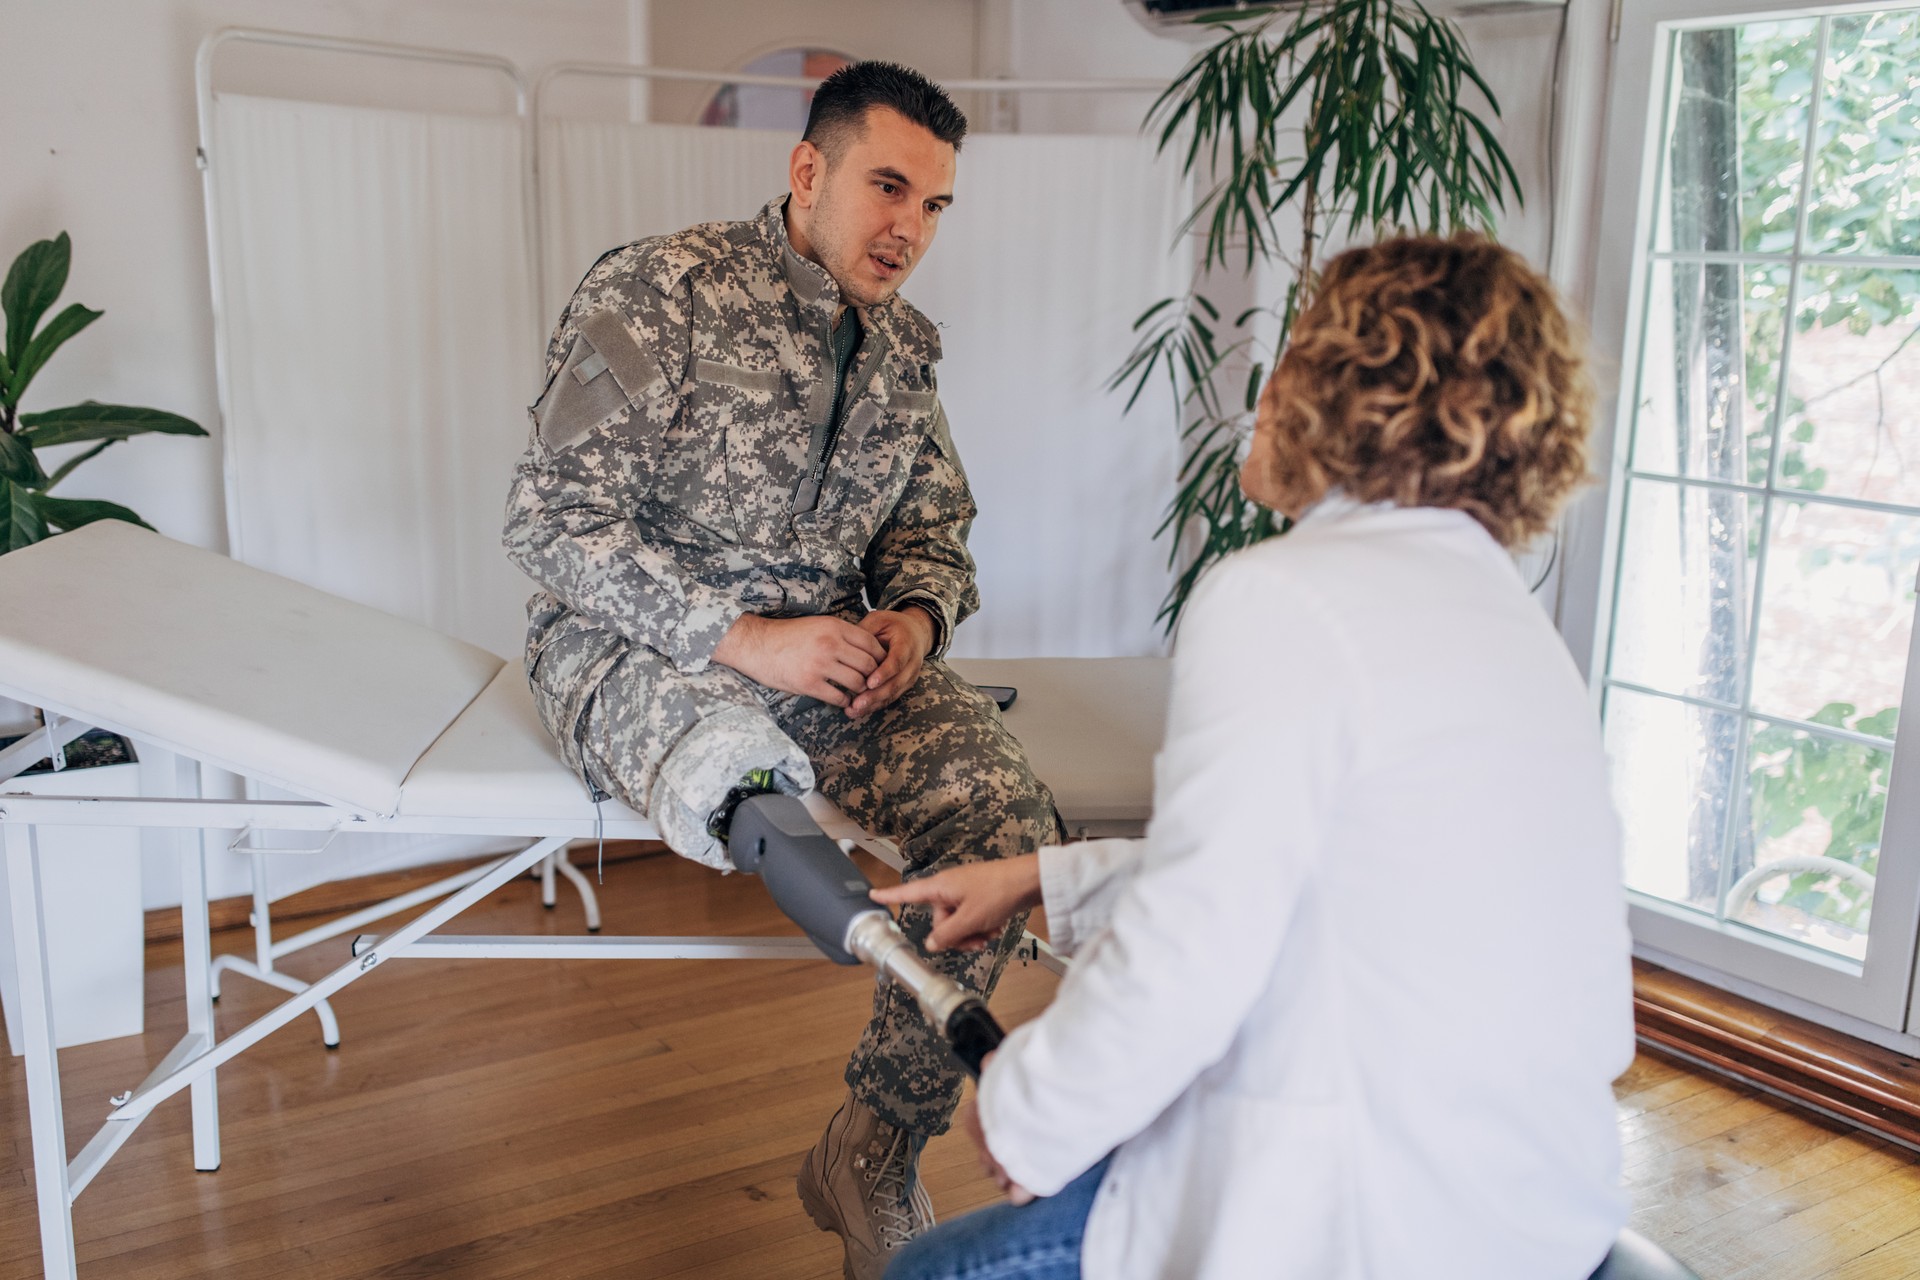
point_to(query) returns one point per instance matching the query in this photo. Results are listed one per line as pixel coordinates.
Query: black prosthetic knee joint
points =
(811, 880)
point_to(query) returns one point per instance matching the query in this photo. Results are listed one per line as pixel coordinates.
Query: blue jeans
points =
(1038, 1241)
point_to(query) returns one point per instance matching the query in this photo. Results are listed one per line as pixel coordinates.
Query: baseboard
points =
(1875, 1088)
(337, 897)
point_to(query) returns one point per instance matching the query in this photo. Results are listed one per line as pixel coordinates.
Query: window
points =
(1768, 504)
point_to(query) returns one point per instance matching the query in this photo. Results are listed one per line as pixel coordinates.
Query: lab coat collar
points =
(1337, 508)
(1335, 505)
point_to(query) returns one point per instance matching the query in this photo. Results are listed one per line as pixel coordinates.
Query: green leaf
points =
(33, 283)
(71, 513)
(43, 344)
(95, 421)
(17, 463)
(1375, 92)
(1153, 311)
(21, 523)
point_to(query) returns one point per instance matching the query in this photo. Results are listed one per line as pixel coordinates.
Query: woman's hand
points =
(970, 1123)
(972, 903)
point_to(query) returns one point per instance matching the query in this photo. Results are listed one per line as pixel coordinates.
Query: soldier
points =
(746, 510)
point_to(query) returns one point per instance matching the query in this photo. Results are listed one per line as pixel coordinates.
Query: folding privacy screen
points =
(384, 280)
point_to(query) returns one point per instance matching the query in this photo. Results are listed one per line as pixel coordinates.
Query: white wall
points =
(1048, 39)
(936, 36)
(100, 137)
(98, 101)
(100, 140)
(1082, 40)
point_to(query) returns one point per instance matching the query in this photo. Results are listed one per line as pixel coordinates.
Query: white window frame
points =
(1884, 990)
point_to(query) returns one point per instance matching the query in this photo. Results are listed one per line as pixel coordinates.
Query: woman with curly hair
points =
(1352, 1007)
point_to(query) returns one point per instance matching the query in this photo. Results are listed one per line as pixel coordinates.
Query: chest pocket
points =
(878, 462)
(749, 425)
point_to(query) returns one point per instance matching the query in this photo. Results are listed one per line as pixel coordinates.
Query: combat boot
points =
(862, 1182)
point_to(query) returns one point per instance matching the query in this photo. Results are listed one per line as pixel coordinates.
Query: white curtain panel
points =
(376, 281)
(376, 284)
(1054, 245)
(603, 185)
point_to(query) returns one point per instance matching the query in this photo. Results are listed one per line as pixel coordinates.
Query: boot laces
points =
(901, 1207)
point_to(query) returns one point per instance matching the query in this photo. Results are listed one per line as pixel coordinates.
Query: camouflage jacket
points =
(665, 492)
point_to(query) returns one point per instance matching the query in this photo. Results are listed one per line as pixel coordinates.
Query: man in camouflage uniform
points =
(740, 448)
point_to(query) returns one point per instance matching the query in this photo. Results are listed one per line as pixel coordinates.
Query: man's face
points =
(870, 216)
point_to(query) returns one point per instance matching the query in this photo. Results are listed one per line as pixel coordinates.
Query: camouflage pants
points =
(935, 771)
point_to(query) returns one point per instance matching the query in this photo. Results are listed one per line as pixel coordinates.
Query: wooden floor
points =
(644, 1119)
(1741, 1186)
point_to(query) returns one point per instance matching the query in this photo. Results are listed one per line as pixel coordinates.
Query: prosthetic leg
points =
(813, 882)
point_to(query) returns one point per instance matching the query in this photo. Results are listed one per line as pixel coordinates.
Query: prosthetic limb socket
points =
(822, 891)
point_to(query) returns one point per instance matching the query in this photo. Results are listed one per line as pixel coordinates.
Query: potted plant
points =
(91, 876)
(1357, 115)
(28, 509)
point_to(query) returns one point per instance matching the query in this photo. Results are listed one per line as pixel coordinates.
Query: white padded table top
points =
(338, 702)
(496, 761)
(1091, 727)
(230, 665)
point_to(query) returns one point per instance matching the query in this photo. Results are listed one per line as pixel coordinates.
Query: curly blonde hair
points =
(1429, 372)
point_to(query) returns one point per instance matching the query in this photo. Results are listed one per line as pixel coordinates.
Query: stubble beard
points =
(842, 260)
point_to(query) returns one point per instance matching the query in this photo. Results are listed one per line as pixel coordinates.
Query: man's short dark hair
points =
(839, 113)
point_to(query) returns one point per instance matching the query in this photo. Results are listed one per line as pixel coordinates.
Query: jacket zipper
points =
(874, 350)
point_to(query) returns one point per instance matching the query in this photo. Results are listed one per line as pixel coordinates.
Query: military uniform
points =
(686, 467)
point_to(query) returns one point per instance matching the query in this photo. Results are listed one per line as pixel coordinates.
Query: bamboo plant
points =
(28, 509)
(1357, 116)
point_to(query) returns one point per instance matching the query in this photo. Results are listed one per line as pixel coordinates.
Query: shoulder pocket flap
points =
(633, 367)
(579, 401)
(732, 375)
(590, 368)
(912, 401)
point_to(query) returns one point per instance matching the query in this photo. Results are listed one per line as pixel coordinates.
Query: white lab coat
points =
(1351, 1010)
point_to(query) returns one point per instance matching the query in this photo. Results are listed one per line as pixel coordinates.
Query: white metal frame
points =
(528, 108)
(543, 88)
(1882, 990)
(267, 950)
(208, 159)
(191, 1065)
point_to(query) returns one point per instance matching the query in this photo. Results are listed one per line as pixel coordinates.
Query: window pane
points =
(1737, 137)
(1686, 596)
(1674, 768)
(1815, 806)
(1709, 369)
(1854, 386)
(1867, 163)
(1746, 582)
(1836, 612)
